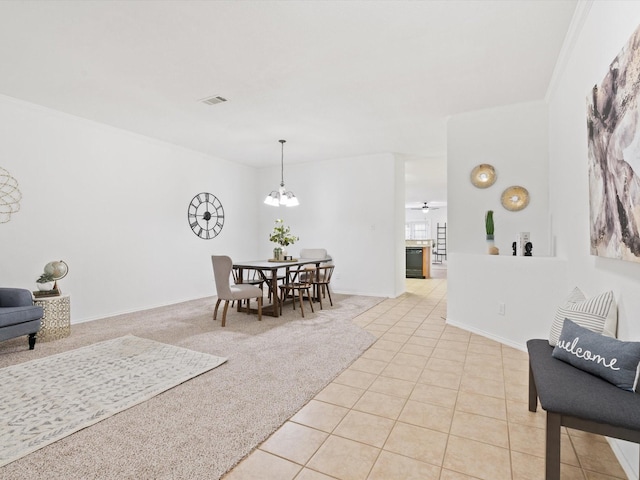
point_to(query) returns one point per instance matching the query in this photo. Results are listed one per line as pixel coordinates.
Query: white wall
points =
(353, 207)
(514, 140)
(601, 33)
(532, 288)
(607, 27)
(113, 205)
(400, 258)
(529, 288)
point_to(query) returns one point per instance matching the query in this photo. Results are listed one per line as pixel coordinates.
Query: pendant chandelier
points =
(281, 196)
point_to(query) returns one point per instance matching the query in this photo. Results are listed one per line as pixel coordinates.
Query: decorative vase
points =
(491, 247)
(283, 253)
(277, 253)
(45, 287)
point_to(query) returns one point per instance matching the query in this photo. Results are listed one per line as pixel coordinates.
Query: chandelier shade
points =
(281, 196)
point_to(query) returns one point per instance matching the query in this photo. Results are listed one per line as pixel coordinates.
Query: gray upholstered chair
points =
(18, 315)
(228, 292)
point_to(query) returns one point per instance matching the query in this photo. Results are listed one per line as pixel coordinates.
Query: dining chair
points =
(297, 286)
(313, 253)
(279, 279)
(310, 253)
(320, 282)
(222, 266)
(250, 277)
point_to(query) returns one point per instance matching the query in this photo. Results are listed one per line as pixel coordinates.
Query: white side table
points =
(56, 321)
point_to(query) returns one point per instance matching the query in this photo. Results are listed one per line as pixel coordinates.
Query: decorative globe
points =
(57, 269)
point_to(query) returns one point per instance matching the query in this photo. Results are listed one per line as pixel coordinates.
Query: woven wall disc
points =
(483, 175)
(515, 198)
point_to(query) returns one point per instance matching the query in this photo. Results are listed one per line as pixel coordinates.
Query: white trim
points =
(575, 27)
(477, 331)
(628, 468)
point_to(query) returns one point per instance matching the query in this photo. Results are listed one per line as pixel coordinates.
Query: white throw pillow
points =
(598, 314)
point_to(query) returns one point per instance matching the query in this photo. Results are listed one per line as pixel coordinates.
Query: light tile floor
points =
(426, 401)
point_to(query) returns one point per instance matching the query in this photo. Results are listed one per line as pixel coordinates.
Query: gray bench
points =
(579, 400)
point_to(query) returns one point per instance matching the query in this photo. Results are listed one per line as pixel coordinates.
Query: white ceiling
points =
(334, 78)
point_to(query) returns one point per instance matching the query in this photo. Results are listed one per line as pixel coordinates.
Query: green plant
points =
(488, 221)
(282, 235)
(45, 277)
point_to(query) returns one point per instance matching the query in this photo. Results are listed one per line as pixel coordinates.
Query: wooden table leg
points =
(241, 280)
(274, 292)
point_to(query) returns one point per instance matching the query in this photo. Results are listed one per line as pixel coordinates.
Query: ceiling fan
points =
(425, 207)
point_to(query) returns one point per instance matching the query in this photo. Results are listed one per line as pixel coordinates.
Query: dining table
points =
(268, 271)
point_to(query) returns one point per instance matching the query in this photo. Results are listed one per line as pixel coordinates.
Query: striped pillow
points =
(598, 314)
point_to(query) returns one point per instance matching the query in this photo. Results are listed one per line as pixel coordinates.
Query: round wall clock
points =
(205, 215)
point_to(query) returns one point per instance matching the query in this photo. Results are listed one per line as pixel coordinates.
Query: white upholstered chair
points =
(313, 253)
(305, 253)
(228, 292)
(250, 277)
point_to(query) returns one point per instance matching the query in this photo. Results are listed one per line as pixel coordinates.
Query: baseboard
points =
(135, 310)
(628, 466)
(477, 331)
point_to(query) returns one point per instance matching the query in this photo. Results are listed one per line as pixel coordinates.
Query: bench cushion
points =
(566, 390)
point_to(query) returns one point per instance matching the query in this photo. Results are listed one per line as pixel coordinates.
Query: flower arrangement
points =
(282, 234)
(45, 282)
(45, 278)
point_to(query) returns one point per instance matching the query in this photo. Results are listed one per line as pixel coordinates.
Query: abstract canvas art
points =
(613, 122)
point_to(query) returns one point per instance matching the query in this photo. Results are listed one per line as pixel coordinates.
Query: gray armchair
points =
(18, 315)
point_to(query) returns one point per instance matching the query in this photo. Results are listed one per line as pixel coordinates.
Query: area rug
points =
(44, 400)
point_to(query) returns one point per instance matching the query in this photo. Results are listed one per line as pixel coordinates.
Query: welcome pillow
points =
(612, 360)
(598, 314)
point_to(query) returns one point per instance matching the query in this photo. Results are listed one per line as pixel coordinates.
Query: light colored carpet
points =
(46, 399)
(203, 427)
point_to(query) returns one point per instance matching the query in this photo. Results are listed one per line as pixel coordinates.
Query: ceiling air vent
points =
(213, 100)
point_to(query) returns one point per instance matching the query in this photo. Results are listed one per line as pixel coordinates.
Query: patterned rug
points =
(44, 400)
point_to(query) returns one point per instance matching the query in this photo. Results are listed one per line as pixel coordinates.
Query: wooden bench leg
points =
(533, 392)
(552, 455)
